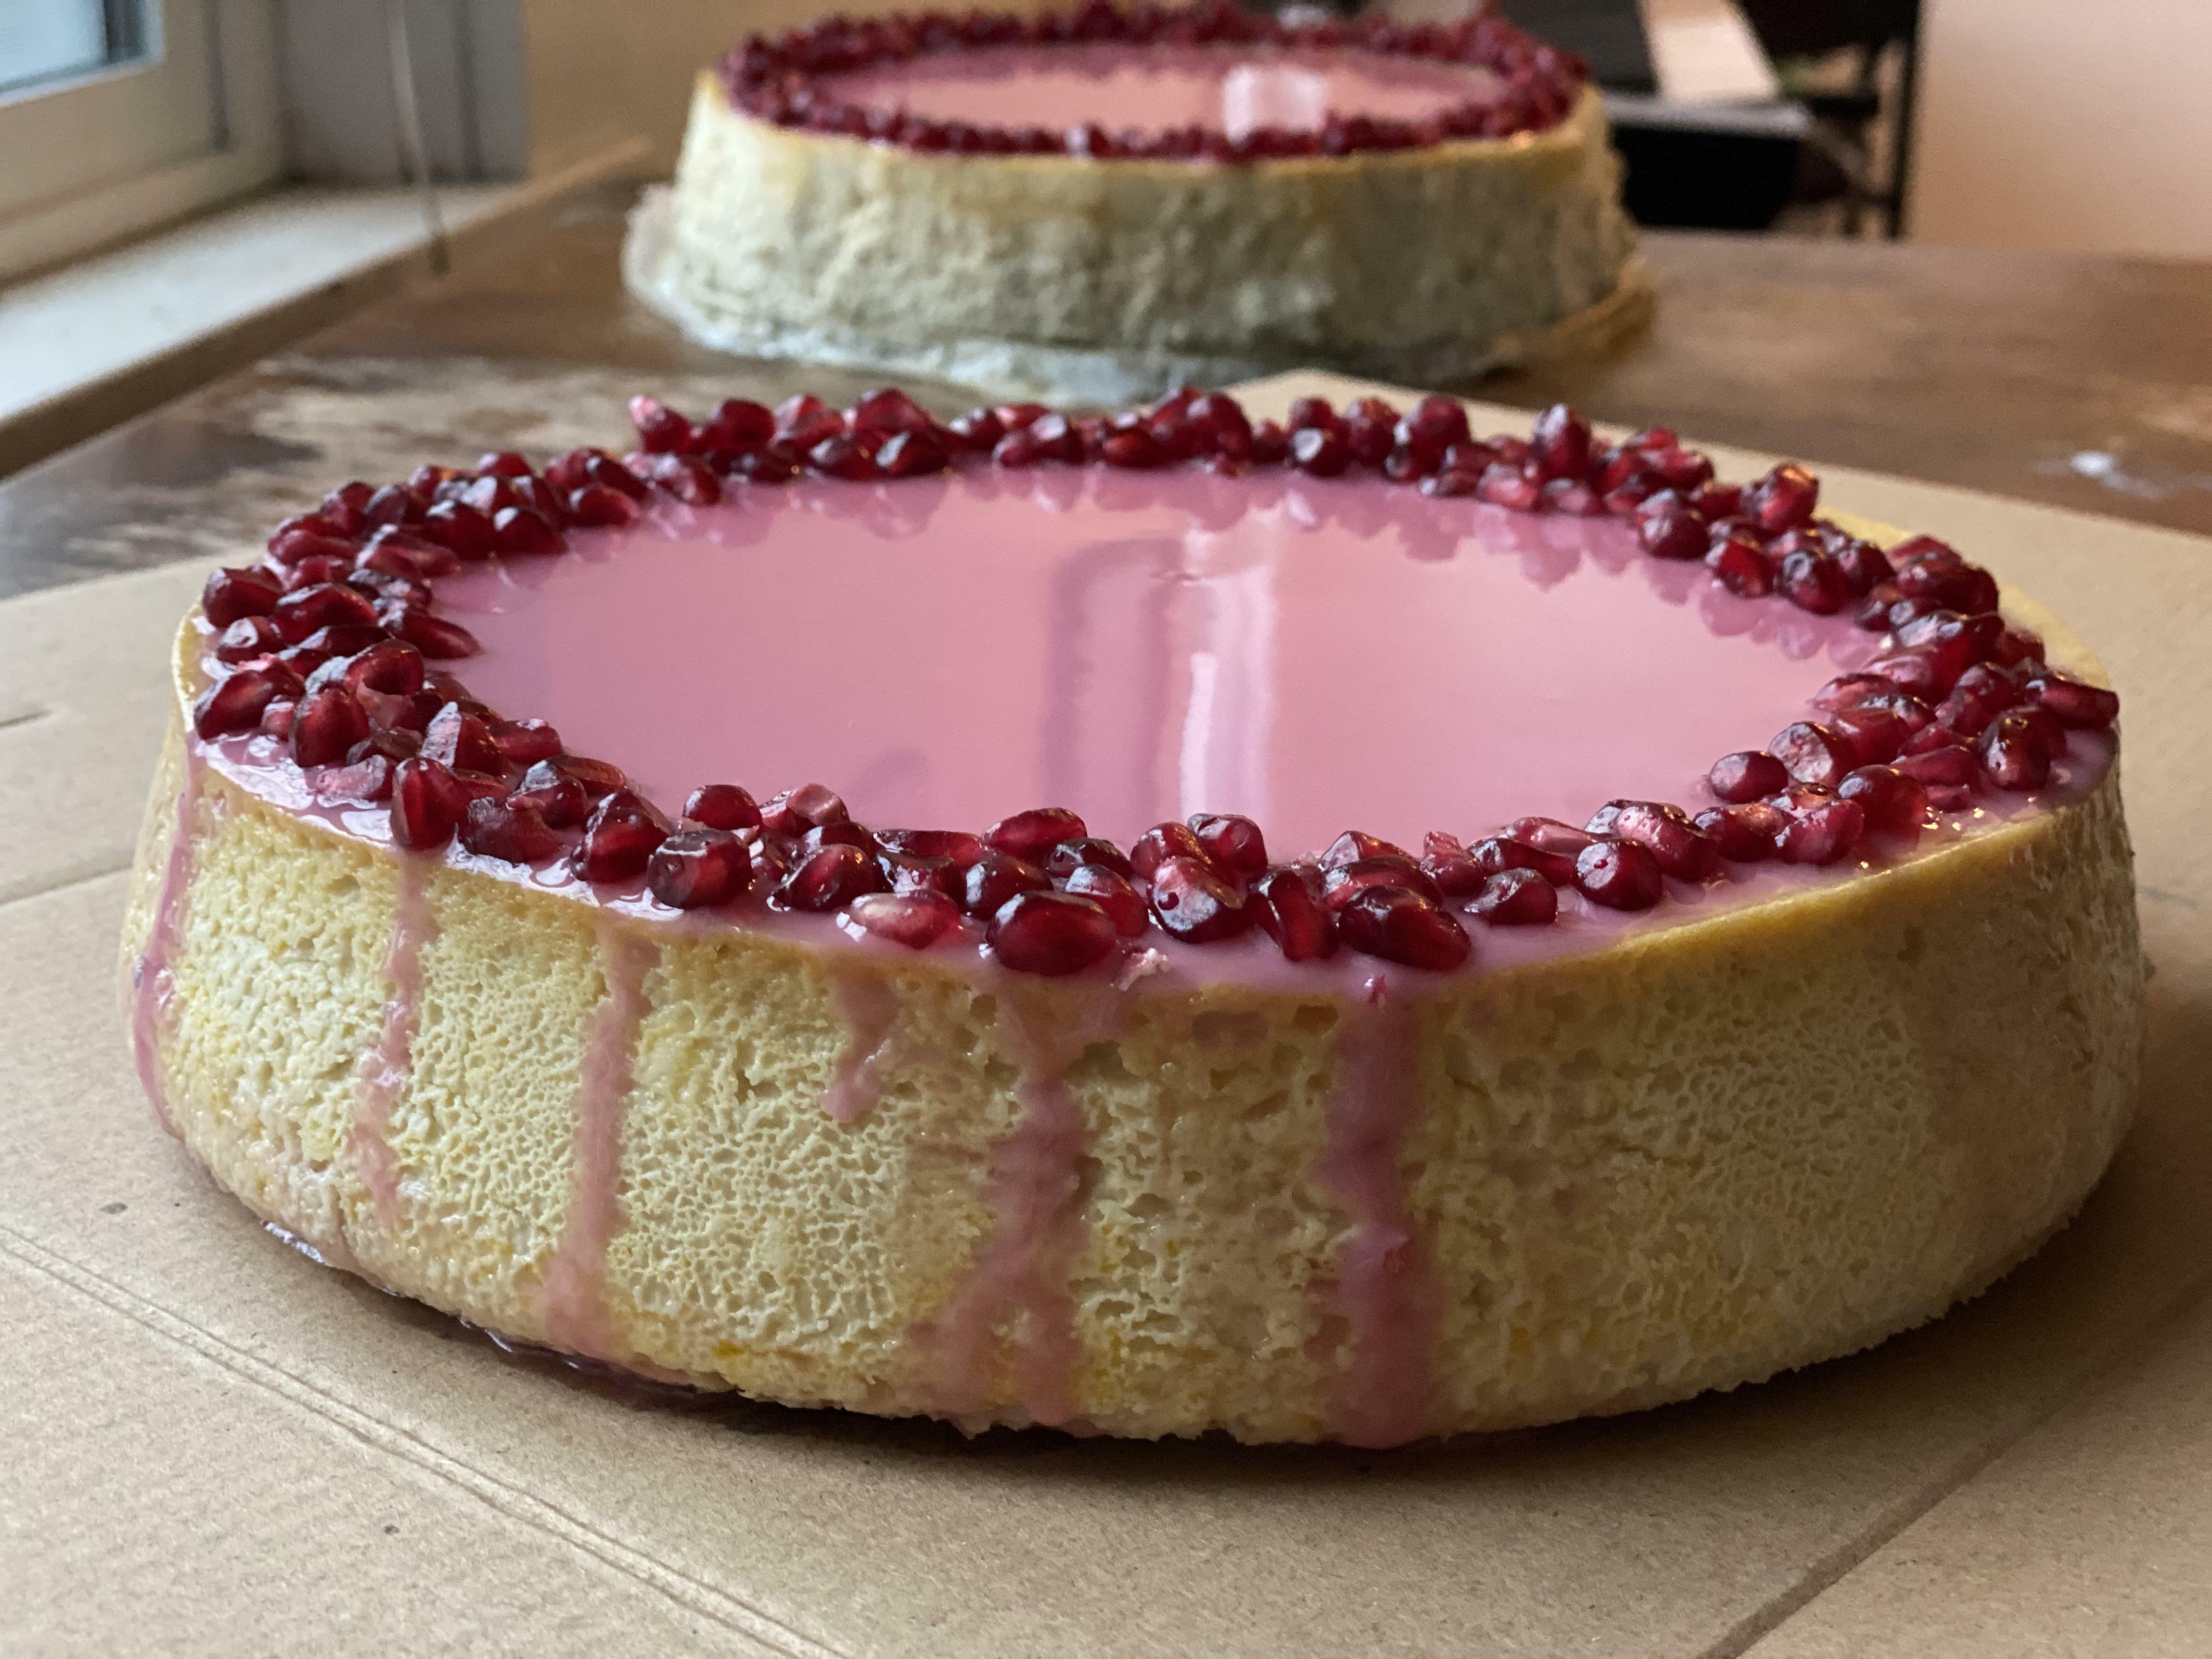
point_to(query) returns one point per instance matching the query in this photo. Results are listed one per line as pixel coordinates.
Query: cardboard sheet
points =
(217, 1446)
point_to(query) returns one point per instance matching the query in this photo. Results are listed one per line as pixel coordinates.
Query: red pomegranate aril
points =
(394, 504)
(1668, 527)
(1342, 883)
(1503, 484)
(995, 878)
(1847, 689)
(913, 872)
(1813, 753)
(391, 666)
(1320, 452)
(1815, 582)
(738, 423)
(1560, 444)
(795, 811)
(847, 834)
(2017, 646)
(805, 420)
(912, 455)
(309, 538)
(1682, 852)
(1739, 565)
(1271, 445)
(1287, 911)
(957, 846)
(595, 506)
(1437, 421)
(1820, 832)
(1494, 853)
(1233, 842)
(1863, 565)
(1517, 898)
(427, 804)
(1448, 867)
(1895, 803)
(1136, 449)
(592, 780)
(364, 780)
(2017, 749)
(1018, 449)
(841, 457)
(1744, 833)
(325, 725)
(829, 878)
(559, 801)
(1747, 775)
(433, 637)
(525, 743)
(1358, 844)
(1783, 499)
(462, 741)
(619, 839)
(1950, 763)
(233, 595)
(232, 705)
(660, 429)
(324, 605)
(1982, 694)
(1311, 414)
(1019, 417)
(1194, 903)
(889, 410)
(1912, 672)
(978, 429)
(1950, 581)
(1031, 835)
(1065, 856)
(2073, 703)
(1163, 842)
(1399, 924)
(1872, 612)
(1621, 875)
(1114, 893)
(247, 638)
(915, 919)
(693, 868)
(722, 806)
(1051, 933)
(1573, 497)
(507, 828)
(395, 746)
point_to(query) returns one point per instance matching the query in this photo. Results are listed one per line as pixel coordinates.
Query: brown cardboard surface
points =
(211, 1432)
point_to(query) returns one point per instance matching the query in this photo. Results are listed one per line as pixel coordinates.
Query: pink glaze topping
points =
(152, 982)
(575, 1305)
(1313, 653)
(868, 1004)
(1235, 90)
(1384, 1294)
(384, 1069)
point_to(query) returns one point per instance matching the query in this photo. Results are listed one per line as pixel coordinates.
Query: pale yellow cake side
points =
(1114, 278)
(1705, 1154)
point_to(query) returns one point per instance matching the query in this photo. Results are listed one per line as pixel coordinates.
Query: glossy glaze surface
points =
(1320, 654)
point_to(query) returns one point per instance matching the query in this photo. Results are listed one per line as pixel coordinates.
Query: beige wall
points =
(2061, 123)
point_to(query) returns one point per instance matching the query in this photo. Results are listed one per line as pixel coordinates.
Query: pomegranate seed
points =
(1847, 689)
(1895, 804)
(1503, 484)
(1031, 835)
(1811, 753)
(1815, 582)
(847, 834)
(1982, 694)
(994, 879)
(693, 868)
(889, 411)
(1056, 438)
(1049, 932)
(233, 595)
(1494, 854)
(309, 536)
(394, 504)
(1820, 832)
(1135, 449)
(957, 846)
(1193, 901)
(1068, 855)
(1345, 882)
(738, 423)
(1548, 835)
(596, 507)
(841, 457)
(1948, 580)
(364, 780)
(2018, 646)
(1312, 414)
(660, 429)
(427, 802)
(1517, 898)
(1572, 496)
(324, 605)
(1622, 875)
(1783, 499)
(795, 811)
(1358, 844)
(1863, 565)
(722, 806)
(1114, 893)
(1320, 452)
(2071, 702)
(1745, 833)
(1163, 842)
(619, 838)
(1271, 445)
(1019, 417)
(1448, 867)
(1286, 909)
(525, 743)
(591, 780)
(391, 666)
(1682, 852)
(1232, 842)
(1560, 445)
(689, 481)
(327, 723)
(559, 801)
(912, 455)
(1746, 775)
(1018, 449)
(433, 637)
(915, 919)
(462, 741)
(2017, 749)
(1873, 612)
(1876, 731)
(828, 879)
(1668, 527)
(507, 828)
(978, 430)
(1399, 924)
(247, 638)
(1948, 764)
(1437, 421)
(1739, 565)
(232, 705)
(1911, 671)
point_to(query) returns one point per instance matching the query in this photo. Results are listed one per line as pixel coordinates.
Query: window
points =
(118, 115)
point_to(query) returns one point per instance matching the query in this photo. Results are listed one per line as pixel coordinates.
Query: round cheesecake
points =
(1101, 204)
(1145, 925)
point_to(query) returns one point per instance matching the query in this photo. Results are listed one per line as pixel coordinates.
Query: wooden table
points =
(2002, 372)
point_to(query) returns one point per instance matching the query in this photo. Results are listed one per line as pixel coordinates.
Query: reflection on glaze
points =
(1318, 654)
(867, 1005)
(1231, 89)
(152, 982)
(1384, 1293)
(1037, 1196)
(574, 1306)
(384, 1069)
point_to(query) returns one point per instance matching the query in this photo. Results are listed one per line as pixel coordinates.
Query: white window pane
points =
(46, 40)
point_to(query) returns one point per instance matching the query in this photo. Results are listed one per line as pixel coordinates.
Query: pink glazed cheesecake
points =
(1144, 925)
(1100, 202)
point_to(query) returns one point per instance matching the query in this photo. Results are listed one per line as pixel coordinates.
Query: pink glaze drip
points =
(867, 1005)
(153, 983)
(384, 1069)
(1385, 1292)
(1318, 654)
(574, 1307)
(1235, 90)
(1036, 1191)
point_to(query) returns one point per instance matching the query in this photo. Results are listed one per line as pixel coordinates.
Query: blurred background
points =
(189, 182)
